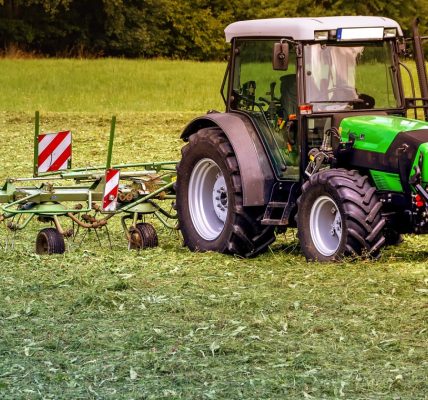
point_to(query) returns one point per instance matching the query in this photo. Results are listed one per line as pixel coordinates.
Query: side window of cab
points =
(257, 86)
(270, 97)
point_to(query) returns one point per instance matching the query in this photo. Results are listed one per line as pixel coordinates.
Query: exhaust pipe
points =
(420, 65)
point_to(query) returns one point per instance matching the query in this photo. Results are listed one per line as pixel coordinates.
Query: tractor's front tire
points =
(339, 216)
(209, 199)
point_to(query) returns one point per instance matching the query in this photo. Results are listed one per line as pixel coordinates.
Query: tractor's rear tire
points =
(209, 199)
(50, 241)
(339, 216)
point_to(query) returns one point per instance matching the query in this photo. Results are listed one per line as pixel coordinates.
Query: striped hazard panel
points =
(111, 190)
(54, 151)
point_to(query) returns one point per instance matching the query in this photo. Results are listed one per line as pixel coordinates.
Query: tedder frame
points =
(136, 190)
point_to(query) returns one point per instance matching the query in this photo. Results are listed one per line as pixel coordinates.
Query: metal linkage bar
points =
(110, 142)
(36, 142)
(45, 211)
(148, 197)
(157, 166)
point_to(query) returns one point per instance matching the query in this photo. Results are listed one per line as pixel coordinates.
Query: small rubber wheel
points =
(50, 241)
(143, 236)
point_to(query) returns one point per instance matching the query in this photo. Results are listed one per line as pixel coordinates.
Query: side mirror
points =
(280, 56)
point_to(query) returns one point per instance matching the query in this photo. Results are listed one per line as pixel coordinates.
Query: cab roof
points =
(303, 28)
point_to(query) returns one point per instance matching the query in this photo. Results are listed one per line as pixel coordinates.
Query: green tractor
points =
(315, 136)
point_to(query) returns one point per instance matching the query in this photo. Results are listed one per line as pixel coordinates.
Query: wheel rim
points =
(325, 225)
(42, 245)
(135, 240)
(208, 200)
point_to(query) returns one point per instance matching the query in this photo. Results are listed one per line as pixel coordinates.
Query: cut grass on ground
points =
(168, 323)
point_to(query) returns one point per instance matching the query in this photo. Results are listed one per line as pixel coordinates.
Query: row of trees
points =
(191, 29)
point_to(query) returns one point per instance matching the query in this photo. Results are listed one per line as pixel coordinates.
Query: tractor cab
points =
(298, 77)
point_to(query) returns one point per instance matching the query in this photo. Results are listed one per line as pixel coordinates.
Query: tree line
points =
(185, 29)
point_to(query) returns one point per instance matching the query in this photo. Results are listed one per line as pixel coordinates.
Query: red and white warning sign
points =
(111, 190)
(54, 152)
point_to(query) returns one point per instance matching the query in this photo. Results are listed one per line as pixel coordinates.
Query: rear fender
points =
(257, 177)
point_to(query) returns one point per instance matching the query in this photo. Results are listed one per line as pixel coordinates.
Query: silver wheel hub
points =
(208, 201)
(220, 197)
(325, 222)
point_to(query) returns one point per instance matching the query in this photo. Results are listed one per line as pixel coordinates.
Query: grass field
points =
(109, 85)
(170, 324)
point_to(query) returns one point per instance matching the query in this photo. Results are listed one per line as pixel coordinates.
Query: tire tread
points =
(54, 240)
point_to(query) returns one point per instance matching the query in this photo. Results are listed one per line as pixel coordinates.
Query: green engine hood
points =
(376, 140)
(377, 132)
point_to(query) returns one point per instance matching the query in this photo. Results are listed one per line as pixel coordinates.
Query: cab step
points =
(278, 212)
(277, 205)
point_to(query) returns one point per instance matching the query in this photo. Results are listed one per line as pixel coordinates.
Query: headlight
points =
(389, 32)
(321, 35)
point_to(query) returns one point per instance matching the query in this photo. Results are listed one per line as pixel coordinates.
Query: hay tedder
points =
(94, 196)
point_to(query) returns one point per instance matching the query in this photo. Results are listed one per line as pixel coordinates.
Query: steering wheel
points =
(365, 102)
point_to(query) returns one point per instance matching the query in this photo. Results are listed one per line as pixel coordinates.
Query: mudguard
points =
(257, 177)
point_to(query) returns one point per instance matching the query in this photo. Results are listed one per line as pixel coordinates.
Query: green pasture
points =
(170, 324)
(107, 85)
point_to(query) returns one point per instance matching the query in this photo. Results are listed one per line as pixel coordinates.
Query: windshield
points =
(344, 77)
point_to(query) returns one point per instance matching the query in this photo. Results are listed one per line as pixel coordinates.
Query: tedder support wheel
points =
(339, 216)
(209, 199)
(142, 236)
(50, 241)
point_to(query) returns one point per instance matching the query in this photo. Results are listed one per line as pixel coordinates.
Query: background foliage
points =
(191, 29)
